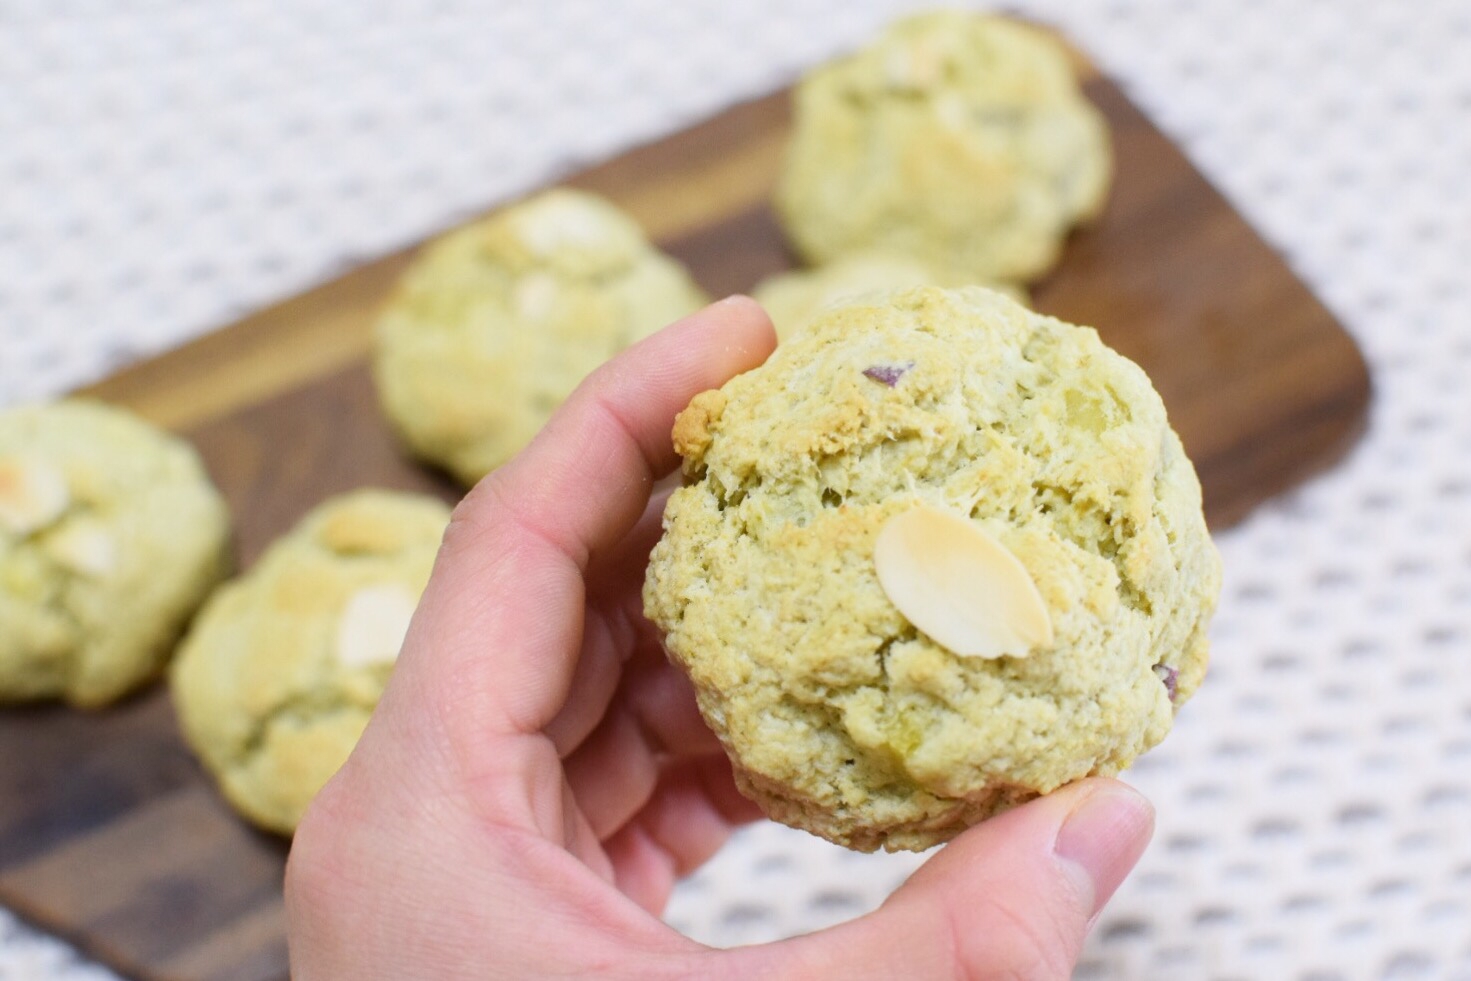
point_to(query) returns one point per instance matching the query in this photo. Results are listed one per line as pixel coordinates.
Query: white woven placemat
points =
(166, 166)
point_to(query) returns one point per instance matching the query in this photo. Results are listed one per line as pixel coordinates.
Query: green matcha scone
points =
(281, 670)
(111, 534)
(937, 556)
(960, 139)
(791, 298)
(496, 323)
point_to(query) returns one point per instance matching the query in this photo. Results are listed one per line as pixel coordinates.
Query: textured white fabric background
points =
(166, 166)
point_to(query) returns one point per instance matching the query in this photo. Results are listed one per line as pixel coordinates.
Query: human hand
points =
(537, 775)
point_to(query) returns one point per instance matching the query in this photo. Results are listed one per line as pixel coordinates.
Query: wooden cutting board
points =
(109, 833)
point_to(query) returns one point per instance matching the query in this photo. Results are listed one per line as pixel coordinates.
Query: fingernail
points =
(1104, 836)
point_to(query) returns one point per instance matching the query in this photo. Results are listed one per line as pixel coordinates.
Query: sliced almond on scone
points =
(84, 546)
(960, 585)
(33, 493)
(535, 295)
(373, 625)
(560, 220)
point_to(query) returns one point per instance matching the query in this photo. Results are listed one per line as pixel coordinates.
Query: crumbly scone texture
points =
(840, 716)
(130, 535)
(961, 139)
(792, 298)
(495, 324)
(266, 694)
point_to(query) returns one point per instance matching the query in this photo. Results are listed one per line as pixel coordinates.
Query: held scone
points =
(937, 556)
(959, 139)
(495, 324)
(111, 535)
(283, 667)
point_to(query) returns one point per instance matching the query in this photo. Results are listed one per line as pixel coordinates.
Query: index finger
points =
(501, 620)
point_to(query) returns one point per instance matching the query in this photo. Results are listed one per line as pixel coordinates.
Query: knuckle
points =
(1023, 937)
(323, 862)
(1022, 942)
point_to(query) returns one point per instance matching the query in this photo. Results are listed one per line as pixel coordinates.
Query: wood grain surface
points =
(109, 833)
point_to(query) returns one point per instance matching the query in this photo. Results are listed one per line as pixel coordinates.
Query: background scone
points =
(496, 323)
(960, 139)
(280, 672)
(110, 536)
(791, 298)
(841, 716)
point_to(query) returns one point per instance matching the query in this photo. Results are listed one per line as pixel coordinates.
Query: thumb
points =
(1010, 898)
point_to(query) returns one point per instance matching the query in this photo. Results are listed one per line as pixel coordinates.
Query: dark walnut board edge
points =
(109, 833)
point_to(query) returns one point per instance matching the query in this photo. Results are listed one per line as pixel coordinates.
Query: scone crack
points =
(1169, 677)
(303, 707)
(1112, 528)
(69, 549)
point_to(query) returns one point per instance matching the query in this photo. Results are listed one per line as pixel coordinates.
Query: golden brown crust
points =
(692, 426)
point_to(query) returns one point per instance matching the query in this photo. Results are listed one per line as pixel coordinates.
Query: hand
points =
(537, 776)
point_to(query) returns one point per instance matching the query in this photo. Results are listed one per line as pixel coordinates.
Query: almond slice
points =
(33, 493)
(373, 625)
(536, 295)
(958, 584)
(84, 546)
(559, 221)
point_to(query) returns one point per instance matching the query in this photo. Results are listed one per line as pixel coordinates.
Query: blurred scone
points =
(960, 139)
(110, 536)
(791, 298)
(497, 323)
(280, 672)
(939, 555)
